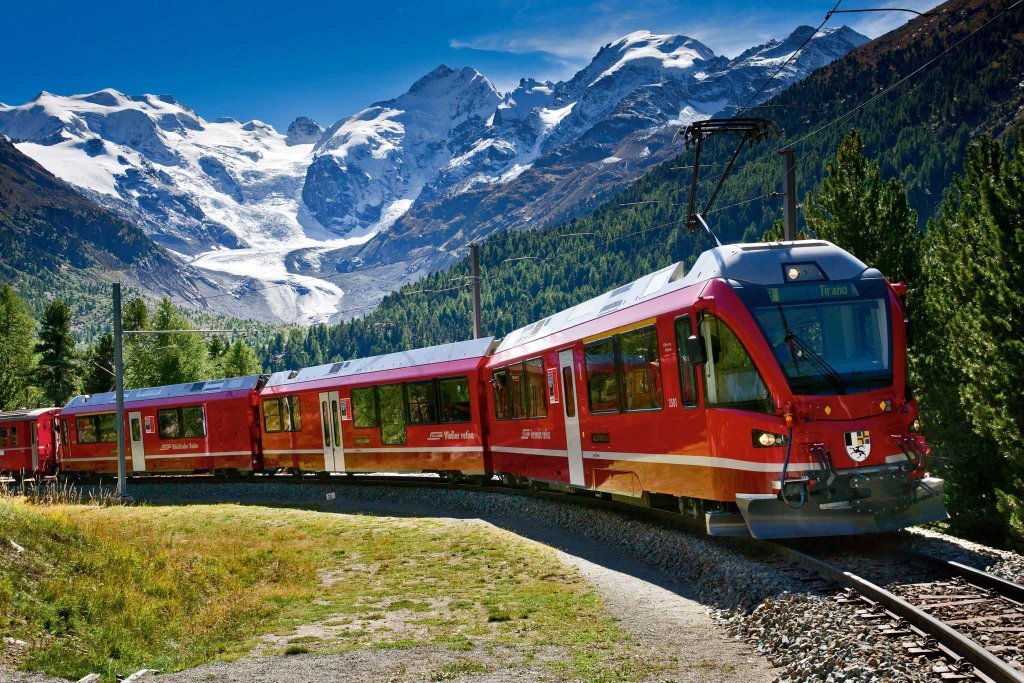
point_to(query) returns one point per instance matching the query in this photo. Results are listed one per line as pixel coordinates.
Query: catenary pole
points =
(788, 194)
(474, 264)
(122, 479)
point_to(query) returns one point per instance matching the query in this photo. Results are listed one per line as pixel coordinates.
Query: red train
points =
(764, 390)
(29, 442)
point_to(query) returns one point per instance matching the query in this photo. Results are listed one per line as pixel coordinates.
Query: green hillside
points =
(919, 132)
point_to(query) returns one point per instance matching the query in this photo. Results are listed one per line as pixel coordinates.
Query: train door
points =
(135, 436)
(570, 409)
(33, 437)
(330, 418)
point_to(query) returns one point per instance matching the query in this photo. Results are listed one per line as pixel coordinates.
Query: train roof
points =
(442, 353)
(188, 389)
(740, 264)
(24, 414)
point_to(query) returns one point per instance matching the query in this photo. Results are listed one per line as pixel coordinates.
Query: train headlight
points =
(763, 439)
(915, 426)
(793, 273)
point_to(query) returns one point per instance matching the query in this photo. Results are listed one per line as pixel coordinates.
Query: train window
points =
(422, 399)
(96, 428)
(336, 421)
(13, 437)
(517, 391)
(3, 437)
(536, 391)
(64, 431)
(602, 378)
(392, 414)
(687, 373)
(182, 423)
(87, 430)
(499, 380)
(107, 428)
(640, 368)
(327, 424)
(455, 403)
(292, 413)
(364, 407)
(272, 415)
(730, 377)
(569, 392)
(282, 414)
(136, 429)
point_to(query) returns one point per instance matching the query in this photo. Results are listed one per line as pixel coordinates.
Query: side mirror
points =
(696, 352)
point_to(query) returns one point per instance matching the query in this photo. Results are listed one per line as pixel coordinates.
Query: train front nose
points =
(863, 489)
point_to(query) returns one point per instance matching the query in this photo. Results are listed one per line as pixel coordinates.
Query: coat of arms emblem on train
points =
(858, 445)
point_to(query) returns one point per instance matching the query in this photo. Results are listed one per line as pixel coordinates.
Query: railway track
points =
(967, 622)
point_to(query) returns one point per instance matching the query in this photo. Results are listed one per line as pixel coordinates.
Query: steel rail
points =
(981, 579)
(984, 661)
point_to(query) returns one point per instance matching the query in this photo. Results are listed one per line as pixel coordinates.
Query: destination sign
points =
(808, 292)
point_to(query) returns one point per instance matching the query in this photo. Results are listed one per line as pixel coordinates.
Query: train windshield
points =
(828, 337)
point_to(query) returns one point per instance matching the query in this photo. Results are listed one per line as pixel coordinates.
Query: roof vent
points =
(610, 307)
(346, 364)
(335, 368)
(198, 386)
(620, 291)
(293, 374)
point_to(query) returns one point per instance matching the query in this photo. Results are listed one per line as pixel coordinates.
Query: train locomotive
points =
(762, 391)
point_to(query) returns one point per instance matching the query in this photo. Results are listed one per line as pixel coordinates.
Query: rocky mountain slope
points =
(50, 234)
(315, 225)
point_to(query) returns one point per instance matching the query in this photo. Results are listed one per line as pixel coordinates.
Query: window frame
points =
(95, 420)
(440, 398)
(653, 327)
(180, 410)
(376, 407)
(403, 401)
(620, 378)
(293, 406)
(432, 393)
(503, 413)
(769, 403)
(542, 395)
(522, 392)
(681, 355)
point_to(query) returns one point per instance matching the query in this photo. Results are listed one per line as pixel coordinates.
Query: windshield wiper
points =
(816, 360)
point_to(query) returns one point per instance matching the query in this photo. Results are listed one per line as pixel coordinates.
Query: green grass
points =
(115, 589)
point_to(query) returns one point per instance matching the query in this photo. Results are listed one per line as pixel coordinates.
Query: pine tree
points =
(239, 361)
(17, 351)
(99, 367)
(869, 217)
(973, 343)
(157, 360)
(58, 373)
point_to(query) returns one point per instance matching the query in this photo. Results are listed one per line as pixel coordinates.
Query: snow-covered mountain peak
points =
(303, 131)
(646, 50)
(451, 92)
(826, 44)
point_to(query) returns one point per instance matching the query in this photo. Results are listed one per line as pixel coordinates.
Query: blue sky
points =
(274, 61)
